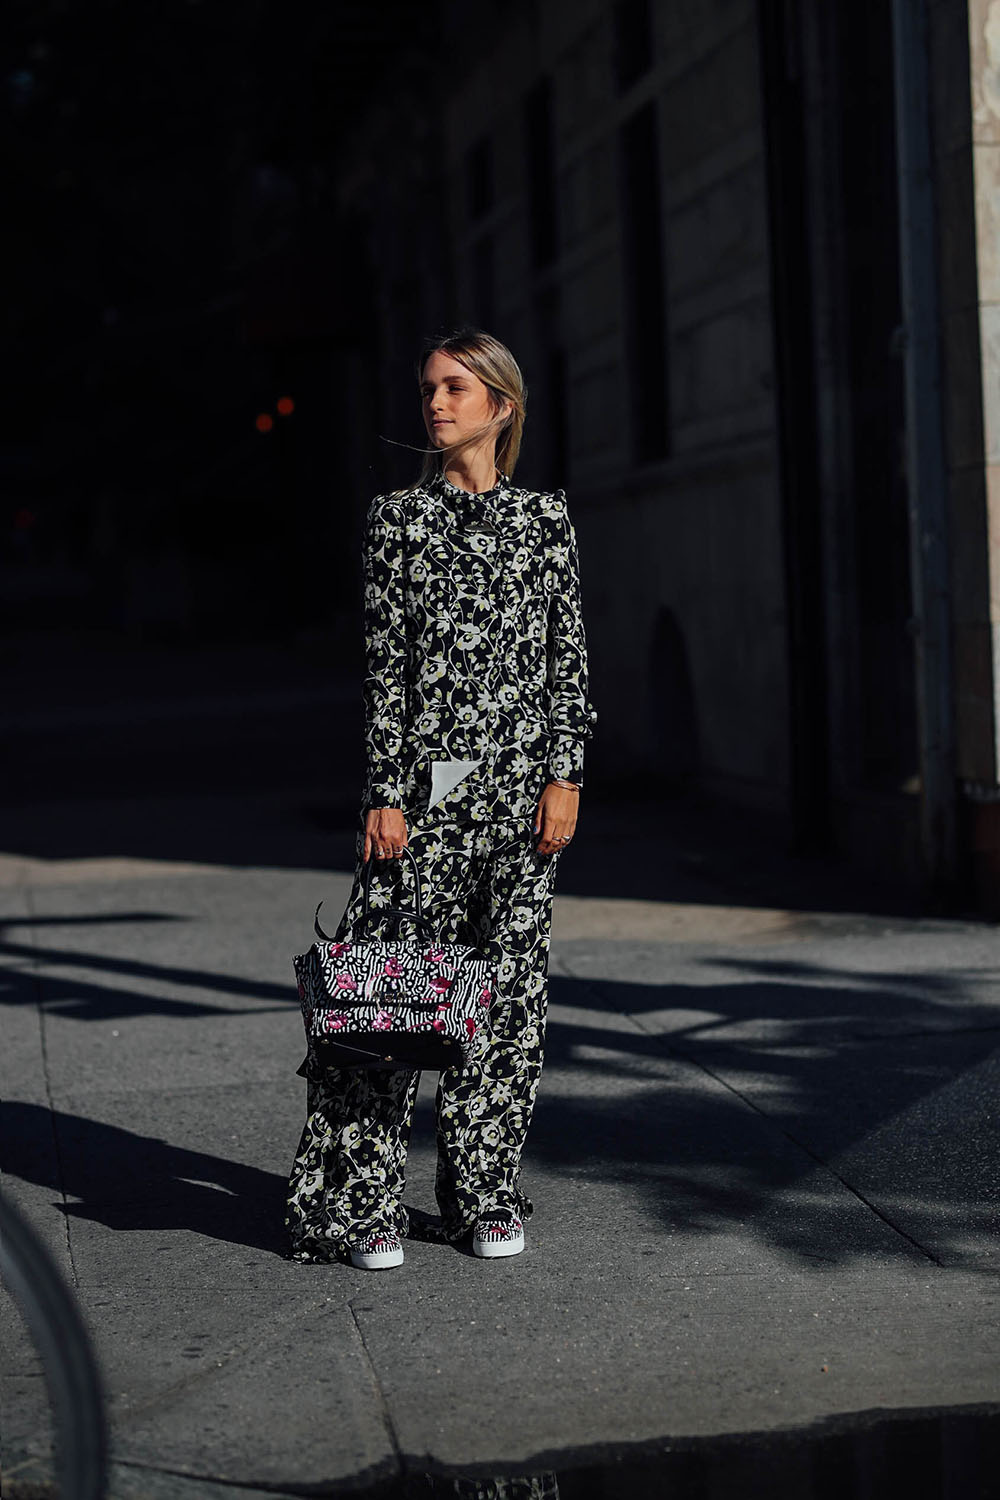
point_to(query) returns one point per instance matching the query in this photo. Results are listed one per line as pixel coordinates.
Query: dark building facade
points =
(747, 256)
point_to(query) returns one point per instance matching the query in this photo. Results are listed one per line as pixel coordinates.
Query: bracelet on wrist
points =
(559, 781)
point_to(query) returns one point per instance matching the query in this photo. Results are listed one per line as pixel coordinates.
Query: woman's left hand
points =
(555, 819)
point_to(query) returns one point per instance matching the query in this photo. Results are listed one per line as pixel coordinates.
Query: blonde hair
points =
(497, 368)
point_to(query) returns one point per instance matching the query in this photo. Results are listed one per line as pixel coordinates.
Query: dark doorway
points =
(887, 743)
(857, 124)
(780, 29)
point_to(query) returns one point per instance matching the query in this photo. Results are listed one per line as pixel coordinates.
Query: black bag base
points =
(429, 1051)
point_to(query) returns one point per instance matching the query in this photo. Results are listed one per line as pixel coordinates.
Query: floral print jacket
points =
(476, 658)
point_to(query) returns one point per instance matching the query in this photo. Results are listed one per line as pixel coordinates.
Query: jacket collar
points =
(501, 507)
(454, 493)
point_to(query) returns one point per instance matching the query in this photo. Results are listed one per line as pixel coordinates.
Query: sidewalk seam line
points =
(813, 1155)
(671, 1049)
(387, 1421)
(43, 1047)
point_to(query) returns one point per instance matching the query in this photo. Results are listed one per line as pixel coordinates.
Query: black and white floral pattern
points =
(492, 890)
(475, 652)
(475, 648)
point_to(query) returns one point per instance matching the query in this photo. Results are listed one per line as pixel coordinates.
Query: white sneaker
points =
(376, 1253)
(500, 1232)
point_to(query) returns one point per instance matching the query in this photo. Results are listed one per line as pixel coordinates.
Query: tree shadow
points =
(801, 1000)
(788, 1082)
(89, 1000)
(787, 1090)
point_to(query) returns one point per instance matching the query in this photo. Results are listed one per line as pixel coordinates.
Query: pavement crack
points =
(200, 1375)
(389, 1424)
(196, 1377)
(238, 1486)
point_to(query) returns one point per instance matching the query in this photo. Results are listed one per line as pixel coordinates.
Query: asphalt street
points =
(764, 1160)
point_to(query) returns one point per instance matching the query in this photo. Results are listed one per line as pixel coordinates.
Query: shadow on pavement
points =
(89, 1000)
(862, 1074)
(859, 1072)
(129, 1181)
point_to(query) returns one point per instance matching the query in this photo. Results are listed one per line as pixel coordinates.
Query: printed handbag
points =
(402, 1003)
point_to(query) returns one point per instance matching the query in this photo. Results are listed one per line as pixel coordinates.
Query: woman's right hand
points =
(386, 831)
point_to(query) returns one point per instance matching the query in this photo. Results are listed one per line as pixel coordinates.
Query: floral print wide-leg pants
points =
(482, 884)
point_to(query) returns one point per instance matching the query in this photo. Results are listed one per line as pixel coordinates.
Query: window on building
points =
(479, 178)
(644, 290)
(633, 41)
(539, 141)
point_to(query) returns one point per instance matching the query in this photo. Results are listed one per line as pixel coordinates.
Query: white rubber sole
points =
(496, 1249)
(376, 1260)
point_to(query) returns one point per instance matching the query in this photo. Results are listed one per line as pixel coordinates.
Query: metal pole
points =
(925, 463)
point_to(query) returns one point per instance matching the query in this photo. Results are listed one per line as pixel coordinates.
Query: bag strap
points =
(416, 916)
(418, 906)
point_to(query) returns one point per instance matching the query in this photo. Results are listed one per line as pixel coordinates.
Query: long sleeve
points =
(572, 716)
(385, 695)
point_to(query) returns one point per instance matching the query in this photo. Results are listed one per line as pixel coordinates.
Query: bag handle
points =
(416, 916)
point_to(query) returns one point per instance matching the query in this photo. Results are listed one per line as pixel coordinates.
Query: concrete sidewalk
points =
(764, 1163)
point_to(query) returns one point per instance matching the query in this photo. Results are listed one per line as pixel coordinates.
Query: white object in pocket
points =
(445, 776)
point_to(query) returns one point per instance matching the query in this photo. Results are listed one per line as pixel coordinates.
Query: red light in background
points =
(285, 406)
(264, 422)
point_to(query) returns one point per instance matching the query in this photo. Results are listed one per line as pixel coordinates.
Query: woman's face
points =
(456, 403)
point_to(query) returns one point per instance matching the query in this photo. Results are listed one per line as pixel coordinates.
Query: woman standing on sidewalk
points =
(476, 710)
